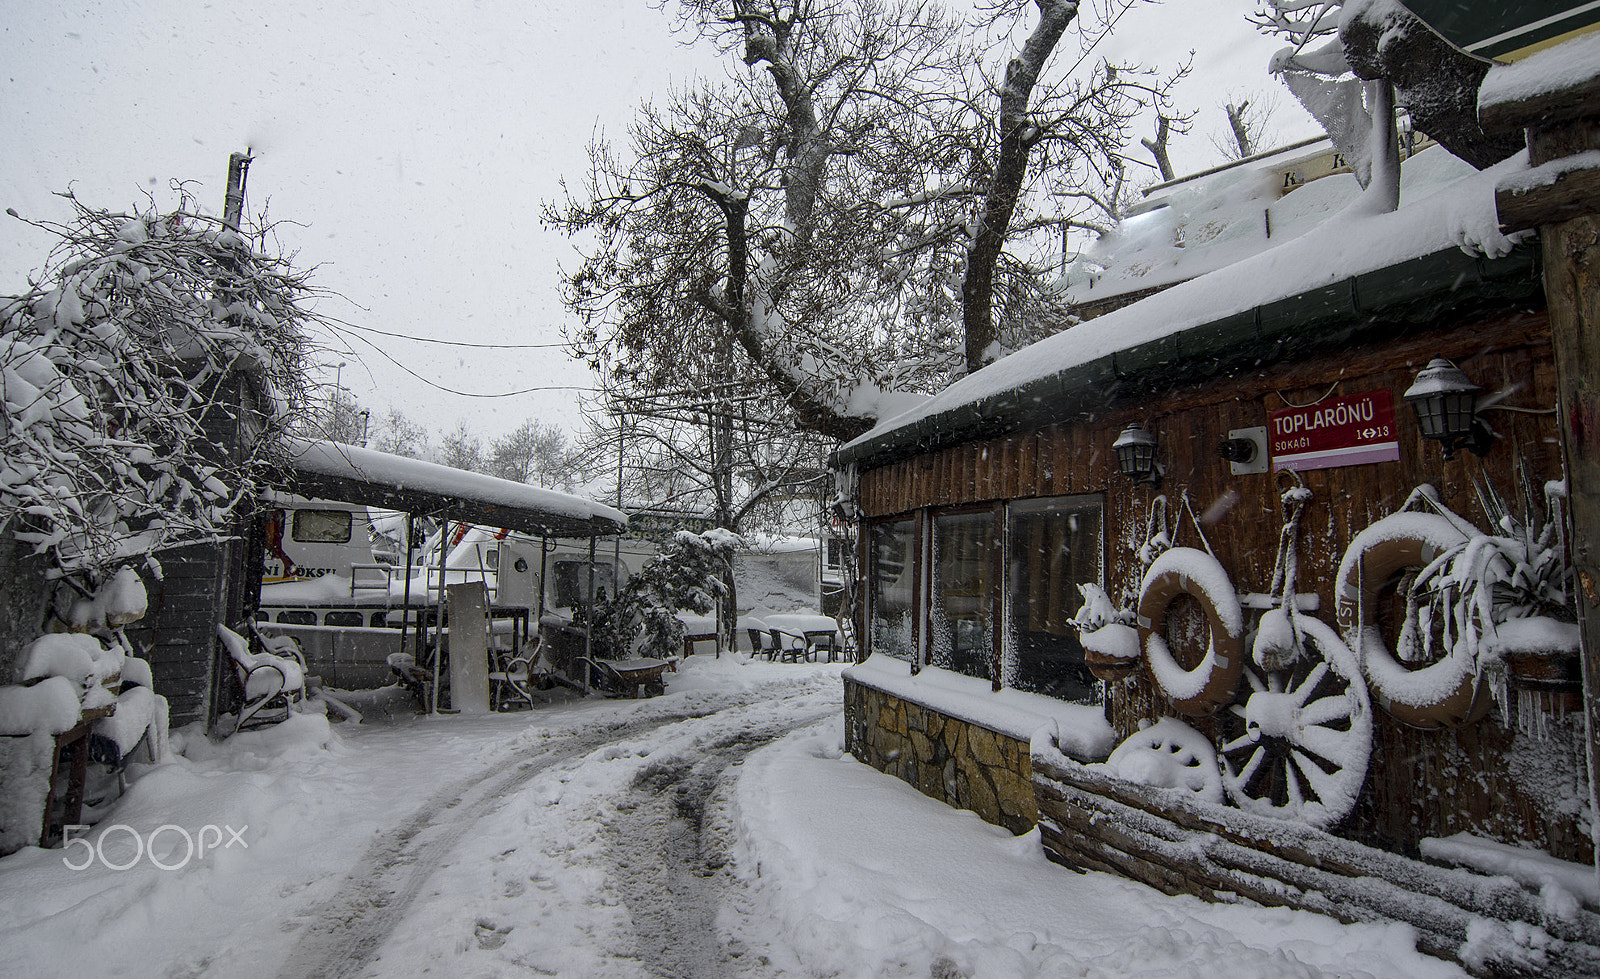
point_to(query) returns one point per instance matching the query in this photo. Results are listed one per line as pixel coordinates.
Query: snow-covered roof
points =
(1214, 220)
(1347, 272)
(352, 474)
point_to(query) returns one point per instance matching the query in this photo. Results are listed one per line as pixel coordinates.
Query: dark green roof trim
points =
(1384, 304)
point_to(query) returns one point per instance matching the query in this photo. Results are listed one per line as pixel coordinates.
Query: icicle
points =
(1498, 679)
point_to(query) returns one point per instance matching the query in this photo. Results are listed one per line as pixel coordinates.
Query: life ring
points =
(1212, 683)
(1443, 694)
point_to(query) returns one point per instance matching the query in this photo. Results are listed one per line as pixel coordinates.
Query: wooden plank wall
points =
(1480, 778)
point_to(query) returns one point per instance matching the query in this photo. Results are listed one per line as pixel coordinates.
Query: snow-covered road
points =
(717, 831)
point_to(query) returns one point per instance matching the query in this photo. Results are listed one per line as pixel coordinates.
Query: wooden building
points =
(1329, 757)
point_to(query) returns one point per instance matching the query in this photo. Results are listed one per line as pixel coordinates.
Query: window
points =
(345, 619)
(963, 591)
(321, 526)
(889, 597)
(1056, 545)
(305, 617)
(572, 581)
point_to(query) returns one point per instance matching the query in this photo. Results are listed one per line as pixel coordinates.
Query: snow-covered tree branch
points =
(116, 364)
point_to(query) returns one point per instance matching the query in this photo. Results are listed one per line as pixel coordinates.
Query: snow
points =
(1555, 69)
(1444, 204)
(50, 706)
(70, 655)
(1080, 730)
(369, 465)
(1168, 754)
(1562, 884)
(831, 868)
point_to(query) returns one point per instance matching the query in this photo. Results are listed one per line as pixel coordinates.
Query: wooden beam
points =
(1544, 109)
(1573, 194)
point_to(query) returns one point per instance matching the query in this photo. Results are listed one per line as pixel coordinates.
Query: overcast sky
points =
(413, 144)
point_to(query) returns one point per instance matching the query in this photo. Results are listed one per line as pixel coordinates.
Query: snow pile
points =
(1552, 70)
(514, 844)
(50, 706)
(913, 888)
(1564, 886)
(121, 600)
(1080, 730)
(1168, 754)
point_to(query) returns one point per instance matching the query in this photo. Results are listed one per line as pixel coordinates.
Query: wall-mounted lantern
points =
(1445, 401)
(1136, 454)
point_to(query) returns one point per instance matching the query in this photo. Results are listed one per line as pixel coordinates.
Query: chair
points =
(756, 629)
(513, 678)
(272, 682)
(818, 640)
(788, 647)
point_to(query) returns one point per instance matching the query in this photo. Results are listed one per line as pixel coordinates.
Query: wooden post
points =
(1566, 211)
(1572, 288)
(233, 205)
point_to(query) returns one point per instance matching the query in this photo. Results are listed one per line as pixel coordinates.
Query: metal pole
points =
(438, 611)
(588, 626)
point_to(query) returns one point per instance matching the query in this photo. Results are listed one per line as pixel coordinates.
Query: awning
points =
(352, 474)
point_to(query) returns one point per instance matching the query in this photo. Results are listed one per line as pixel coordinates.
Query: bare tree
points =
(534, 453)
(115, 362)
(841, 223)
(398, 435)
(1249, 119)
(459, 448)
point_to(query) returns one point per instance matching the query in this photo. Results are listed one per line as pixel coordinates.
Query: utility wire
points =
(472, 394)
(450, 343)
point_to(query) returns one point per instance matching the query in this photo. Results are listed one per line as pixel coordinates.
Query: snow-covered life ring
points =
(1211, 683)
(1442, 694)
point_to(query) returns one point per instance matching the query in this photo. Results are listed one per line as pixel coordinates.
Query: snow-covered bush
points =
(685, 576)
(113, 364)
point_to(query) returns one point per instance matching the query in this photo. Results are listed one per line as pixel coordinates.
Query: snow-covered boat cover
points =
(352, 474)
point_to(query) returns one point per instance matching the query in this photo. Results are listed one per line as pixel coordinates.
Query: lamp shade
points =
(1445, 401)
(1136, 452)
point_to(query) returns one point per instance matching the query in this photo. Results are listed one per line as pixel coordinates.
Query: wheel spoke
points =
(1325, 709)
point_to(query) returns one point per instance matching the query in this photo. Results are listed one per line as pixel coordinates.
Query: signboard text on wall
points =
(1347, 431)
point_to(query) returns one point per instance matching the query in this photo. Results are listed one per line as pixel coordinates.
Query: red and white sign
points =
(1335, 432)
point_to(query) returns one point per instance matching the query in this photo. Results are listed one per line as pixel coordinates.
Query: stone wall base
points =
(957, 762)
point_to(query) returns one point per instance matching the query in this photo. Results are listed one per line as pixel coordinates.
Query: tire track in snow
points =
(669, 850)
(349, 929)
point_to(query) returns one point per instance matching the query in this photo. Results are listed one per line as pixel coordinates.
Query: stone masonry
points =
(957, 762)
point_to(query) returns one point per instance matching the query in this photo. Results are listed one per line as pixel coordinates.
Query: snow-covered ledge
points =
(1079, 730)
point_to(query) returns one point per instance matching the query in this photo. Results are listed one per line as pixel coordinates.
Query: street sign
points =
(1347, 431)
(1507, 29)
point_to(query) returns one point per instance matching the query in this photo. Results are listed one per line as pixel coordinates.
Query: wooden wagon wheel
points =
(1169, 754)
(1212, 682)
(1297, 748)
(1445, 693)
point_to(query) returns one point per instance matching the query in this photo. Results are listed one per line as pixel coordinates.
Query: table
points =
(798, 624)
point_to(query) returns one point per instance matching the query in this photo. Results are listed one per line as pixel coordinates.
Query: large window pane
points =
(890, 597)
(964, 551)
(1056, 545)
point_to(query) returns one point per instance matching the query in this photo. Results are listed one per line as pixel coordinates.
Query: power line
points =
(451, 343)
(471, 394)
